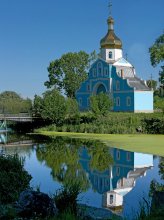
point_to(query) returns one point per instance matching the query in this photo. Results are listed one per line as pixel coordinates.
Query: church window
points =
(118, 155)
(106, 71)
(128, 101)
(99, 69)
(80, 101)
(88, 101)
(117, 171)
(117, 85)
(128, 158)
(111, 199)
(118, 101)
(110, 55)
(94, 72)
(88, 87)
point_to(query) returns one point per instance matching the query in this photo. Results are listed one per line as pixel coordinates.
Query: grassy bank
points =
(151, 144)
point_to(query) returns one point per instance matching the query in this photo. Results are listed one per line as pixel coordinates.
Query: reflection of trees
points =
(101, 158)
(62, 156)
(161, 167)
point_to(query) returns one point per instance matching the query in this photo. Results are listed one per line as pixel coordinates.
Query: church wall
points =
(123, 94)
(143, 101)
(116, 54)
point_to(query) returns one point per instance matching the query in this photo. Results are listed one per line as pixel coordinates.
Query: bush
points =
(13, 178)
(66, 199)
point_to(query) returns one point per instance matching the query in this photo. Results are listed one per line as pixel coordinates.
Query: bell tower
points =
(111, 45)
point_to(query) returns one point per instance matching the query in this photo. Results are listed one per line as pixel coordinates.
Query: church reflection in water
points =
(120, 178)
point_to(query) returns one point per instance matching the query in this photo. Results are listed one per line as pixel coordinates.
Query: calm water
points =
(108, 177)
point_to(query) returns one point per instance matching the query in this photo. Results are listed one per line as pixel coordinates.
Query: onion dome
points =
(111, 40)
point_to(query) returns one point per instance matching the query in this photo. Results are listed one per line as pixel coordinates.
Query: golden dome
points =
(111, 40)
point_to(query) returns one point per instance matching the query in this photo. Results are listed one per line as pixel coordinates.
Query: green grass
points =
(145, 143)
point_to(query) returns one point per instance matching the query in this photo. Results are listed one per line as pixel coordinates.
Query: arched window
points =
(128, 101)
(99, 68)
(118, 101)
(110, 55)
(80, 101)
(101, 88)
(117, 85)
(118, 155)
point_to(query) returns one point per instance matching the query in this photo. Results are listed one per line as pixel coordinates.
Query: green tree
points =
(152, 84)
(157, 51)
(157, 57)
(100, 104)
(13, 178)
(37, 106)
(73, 113)
(11, 102)
(68, 72)
(54, 107)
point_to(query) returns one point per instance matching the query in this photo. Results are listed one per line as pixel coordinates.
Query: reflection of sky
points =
(141, 189)
(42, 177)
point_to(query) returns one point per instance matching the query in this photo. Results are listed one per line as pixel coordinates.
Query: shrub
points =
(66, 198)
(13, 178)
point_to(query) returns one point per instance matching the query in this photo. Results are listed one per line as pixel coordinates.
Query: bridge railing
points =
(20, 115)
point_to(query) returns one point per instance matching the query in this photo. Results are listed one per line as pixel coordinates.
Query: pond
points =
(109, 178)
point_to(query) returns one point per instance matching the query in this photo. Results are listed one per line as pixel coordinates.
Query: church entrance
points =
(101, 88)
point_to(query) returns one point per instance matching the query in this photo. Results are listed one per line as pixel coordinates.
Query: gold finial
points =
(110, 8)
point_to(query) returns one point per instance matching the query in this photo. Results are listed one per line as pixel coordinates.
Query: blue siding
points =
(103, 74)
(143, 101)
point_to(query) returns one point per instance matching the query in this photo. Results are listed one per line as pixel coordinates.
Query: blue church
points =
(115, 76)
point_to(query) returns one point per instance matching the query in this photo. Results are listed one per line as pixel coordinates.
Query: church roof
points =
(111, 40)
(122, 62)
(137, 83)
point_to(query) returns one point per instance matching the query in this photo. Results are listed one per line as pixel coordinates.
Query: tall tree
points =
(68, 72)
(157, 57)
(54, 107)
(11, 102)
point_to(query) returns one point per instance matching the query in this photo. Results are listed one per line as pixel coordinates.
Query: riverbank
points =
(143, 143)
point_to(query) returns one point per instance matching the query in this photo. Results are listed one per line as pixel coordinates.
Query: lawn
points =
(151, 144)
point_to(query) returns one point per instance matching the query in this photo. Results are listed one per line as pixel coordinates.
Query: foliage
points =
(157, 51)
(63, 159)
(154, 125)
(13, 178)
(112, 123)
(72, 110)
(66, 198)
(68, 72)
(11, 102)
(37, 106)
(159, 103)
(152, 84)
(156, 57)
(54, 107)
(100, 104)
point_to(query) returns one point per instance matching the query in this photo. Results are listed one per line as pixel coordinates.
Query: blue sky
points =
(35, 32)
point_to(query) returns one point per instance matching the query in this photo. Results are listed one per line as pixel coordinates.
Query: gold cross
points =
(110, 8)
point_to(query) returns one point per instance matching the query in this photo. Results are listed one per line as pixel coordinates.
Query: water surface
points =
(108, 177)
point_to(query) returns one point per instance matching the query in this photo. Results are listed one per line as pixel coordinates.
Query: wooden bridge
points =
(21, 117)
